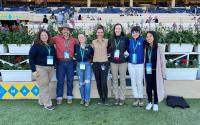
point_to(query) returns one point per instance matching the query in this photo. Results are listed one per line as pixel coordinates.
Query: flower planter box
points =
(23, 48)
(16, 75)
(181, 73)
(184, 47)
(197, 48)
(2, 49)
(163, 46)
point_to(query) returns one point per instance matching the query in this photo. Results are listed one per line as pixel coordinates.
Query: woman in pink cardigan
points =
(154, 71)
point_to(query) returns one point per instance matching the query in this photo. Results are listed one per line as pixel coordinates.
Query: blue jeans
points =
(65, 68)
(84, 77)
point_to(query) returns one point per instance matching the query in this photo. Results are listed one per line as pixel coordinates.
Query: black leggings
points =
(151, 86)
(101, 79)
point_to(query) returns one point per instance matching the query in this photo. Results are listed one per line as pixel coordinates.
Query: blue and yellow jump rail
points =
(19, 90)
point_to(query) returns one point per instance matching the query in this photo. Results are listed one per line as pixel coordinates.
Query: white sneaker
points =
(155, 107)
(149, 106)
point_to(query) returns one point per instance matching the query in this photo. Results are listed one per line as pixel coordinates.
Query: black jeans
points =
(101, 73)
(151, 86)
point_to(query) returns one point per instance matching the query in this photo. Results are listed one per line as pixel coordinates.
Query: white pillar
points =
(173, 4)
(1, 4)
(154, 1)
(122, 2)
(131, 3)
(187, 1)
(88, 3)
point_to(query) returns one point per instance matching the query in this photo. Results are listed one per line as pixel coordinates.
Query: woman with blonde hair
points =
(83, 54)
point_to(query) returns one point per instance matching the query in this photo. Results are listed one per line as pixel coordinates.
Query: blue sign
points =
(35, 90)
(2, 91)
(13, 91)
(24, 90)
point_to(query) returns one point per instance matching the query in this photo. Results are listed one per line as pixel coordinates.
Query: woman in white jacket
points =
(154, 70)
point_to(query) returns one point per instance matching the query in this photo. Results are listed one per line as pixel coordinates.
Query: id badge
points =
(66, 54)
(149, 68)
(50, 60)
(116, 54)
(82, 65)
(103, 67)
(134, 58)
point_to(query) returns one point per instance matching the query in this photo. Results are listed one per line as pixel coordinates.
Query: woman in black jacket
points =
(42, 59)
(83, 55)
(117, 46)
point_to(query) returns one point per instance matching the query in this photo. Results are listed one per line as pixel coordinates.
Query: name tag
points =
(50, 60)
(82, 65)
(134, 58)
(149, 68)
(103, 67)
(66, 54)
(116, 54)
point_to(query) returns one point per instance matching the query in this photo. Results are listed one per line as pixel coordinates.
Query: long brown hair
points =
(155, 41)
(38, 39)
(122, 33)
(100, 27)
(114, 35)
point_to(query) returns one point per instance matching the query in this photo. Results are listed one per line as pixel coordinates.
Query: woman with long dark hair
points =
(154, 70)
(100, 64)
(42, 58)
(117, 46)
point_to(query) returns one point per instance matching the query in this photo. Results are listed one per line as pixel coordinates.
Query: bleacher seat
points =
(16, 9)
(65, 10)
(88, 10)
(112, 10)
(132, 10)
(43, 10)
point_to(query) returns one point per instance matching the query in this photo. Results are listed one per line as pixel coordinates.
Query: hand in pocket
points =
(35, 74)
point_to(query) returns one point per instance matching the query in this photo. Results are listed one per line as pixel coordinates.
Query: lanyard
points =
(149, 54)
(117, 44)
(135, 46)
(48, 48)
(68, 42)
(82, 53)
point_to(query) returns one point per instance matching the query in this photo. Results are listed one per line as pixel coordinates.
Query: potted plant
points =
(3, 48)
(181, 69)
(15, 68)
(52, 31)
(161, 37)
(76, 31)
(91, 37)
(197, 42)
(15, 72)
(181, 41)
(18, 41)
(108, 30)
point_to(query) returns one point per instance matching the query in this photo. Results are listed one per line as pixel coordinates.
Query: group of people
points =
(60, 18)
(144, 60)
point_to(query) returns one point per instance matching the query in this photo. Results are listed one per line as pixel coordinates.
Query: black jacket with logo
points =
(123, 46)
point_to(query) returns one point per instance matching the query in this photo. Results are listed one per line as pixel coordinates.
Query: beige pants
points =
(119, 90)
(43, 79)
